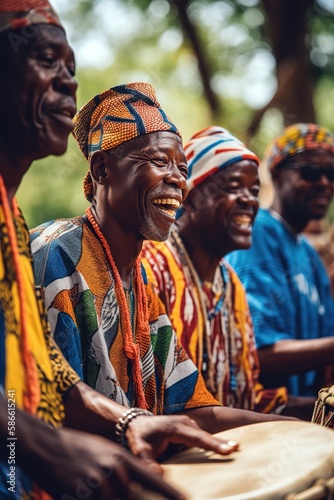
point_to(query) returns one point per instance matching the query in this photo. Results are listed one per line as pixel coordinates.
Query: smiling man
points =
(286, 283)
(104, 314)
(202, 294)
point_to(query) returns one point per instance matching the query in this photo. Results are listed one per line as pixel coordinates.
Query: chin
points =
(154, 235)
(242, 244)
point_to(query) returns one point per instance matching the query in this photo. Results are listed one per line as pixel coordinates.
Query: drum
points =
(290, 460)
(323, 413)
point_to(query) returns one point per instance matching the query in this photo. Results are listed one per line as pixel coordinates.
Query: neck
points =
(12, 169)
(125, 248)
(204, 263)
(296, 222)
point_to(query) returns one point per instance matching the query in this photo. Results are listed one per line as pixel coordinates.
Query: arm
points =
(296, 356)
(148, 437)
(66, 462)
(221, 418)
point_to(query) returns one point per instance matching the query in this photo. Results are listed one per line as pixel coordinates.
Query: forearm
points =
(289, 357)
(32, 437)
(88, 410)
(220, 418)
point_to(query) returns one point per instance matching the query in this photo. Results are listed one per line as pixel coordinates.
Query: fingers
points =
(153, 482)
(202, 439)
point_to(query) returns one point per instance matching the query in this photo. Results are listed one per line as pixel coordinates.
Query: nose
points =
(248, 198)
(65, 82)
(175, 177)
(324, 181)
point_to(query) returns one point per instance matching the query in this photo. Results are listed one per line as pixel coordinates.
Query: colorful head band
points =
(115, 116)
(211, 150)
(296, 139)
(15, 14)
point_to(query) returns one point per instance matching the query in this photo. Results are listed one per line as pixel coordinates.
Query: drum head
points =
(274, 459)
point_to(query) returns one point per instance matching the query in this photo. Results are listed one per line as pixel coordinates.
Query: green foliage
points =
(156, 51)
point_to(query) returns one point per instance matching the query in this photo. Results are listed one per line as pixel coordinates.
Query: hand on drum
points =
(149, 437)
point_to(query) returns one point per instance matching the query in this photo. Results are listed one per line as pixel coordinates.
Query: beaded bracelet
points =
(123, 423)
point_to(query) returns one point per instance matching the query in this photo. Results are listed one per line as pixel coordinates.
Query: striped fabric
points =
(212, 149)
(72, 267)
(16, 14)
(233, 365)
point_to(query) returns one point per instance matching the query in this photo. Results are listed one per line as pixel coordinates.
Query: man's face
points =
(148, 184)
(302, 184)
(38, 90)
(223, 208)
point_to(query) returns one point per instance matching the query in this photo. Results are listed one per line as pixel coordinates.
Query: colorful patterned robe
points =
(233, 364)
(54, 374)
(72, 268)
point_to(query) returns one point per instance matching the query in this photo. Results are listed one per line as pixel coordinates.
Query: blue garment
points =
(288, 292)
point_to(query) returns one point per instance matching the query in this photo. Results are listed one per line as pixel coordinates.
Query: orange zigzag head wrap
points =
(115, 116)
(15, 14)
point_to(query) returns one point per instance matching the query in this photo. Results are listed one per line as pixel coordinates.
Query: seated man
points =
(104, 314)
(287, 287)
(203, 296)
(39, 392)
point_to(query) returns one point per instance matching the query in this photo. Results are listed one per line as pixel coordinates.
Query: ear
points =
(99, 167)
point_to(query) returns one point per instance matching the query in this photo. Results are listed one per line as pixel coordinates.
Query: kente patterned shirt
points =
(213, 322)
(54, 374)
(73, 269)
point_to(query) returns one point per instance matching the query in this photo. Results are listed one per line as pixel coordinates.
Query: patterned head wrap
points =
(296, 139)
(15, 14)
(115, 116)
(212, 149)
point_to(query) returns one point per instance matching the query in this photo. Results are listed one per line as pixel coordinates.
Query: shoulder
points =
(56, 247)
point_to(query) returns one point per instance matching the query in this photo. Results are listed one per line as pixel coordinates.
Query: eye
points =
(47, 59)
(255, 190)
(160, 162)
(183, 169)
(233, 187)
(71, 69)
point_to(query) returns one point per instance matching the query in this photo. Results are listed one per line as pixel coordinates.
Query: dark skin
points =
(298, 201)
(218, 216)
(42, 102)
(39, 88)
(133, 201)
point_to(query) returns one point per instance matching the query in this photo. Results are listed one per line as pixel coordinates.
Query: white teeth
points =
(242, 220)
(66, 113)
(167, 201)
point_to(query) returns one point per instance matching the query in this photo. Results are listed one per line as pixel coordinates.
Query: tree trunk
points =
(203, 66)
(287, 29)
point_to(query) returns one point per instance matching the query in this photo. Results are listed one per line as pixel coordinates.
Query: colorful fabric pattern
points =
(54, 374)
(212, 149)
(288, 292)
(15, 14)
(296, 139)
(220, 309)
(115, 116)
(72, 268)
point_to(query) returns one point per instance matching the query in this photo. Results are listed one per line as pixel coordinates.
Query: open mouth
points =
(243, 222)
(169, 206)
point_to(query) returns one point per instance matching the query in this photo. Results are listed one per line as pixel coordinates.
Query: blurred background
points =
(250, 66)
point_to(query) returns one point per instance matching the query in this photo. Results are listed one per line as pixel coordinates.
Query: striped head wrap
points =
(15, 14)
(298, 138)
(115, 116)
(212, 149)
